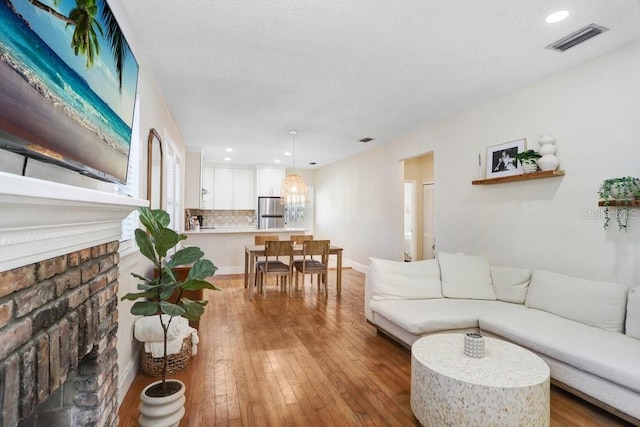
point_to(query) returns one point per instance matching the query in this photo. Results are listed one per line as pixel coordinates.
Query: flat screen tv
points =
(67, 85)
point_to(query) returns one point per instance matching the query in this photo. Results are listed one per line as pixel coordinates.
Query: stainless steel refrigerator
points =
(270, 212)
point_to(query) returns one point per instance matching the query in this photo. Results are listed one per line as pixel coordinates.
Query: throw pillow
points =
(466, 276)
(510, 283)
(404, 280)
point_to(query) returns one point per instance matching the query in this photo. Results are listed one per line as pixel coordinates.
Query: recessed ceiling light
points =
(365, 140)
(227, 159)
(287, 153)
(228, 149)
(558, 16)
(276, 161)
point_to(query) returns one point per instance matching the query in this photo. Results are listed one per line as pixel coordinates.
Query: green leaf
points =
(145, 308)
(145, 245)
(164, 240)
(148, 220)
(194, 284)
(171, 309)
(166, 293)
(193, 309)
(161, 217)
(143, 278)
(201, 270)
(186, 256)
(132, 296)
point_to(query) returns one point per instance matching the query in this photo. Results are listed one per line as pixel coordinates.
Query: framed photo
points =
(501, 159)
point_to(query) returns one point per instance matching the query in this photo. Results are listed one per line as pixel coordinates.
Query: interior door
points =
(410, 222)
(429, 239)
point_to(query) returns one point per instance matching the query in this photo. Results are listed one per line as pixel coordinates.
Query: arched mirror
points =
(154, 170)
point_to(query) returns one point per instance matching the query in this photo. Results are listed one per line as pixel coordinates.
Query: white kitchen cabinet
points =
(223, 188)
(206, 202)
(244, 188)
(270, 180)
(234, 188)
(193, 180)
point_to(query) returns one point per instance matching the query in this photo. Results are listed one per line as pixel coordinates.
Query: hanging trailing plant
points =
(623, 191)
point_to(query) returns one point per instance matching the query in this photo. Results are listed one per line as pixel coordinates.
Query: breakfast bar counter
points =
(224, 246)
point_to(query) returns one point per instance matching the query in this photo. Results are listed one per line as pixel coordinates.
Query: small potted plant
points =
(529, 160)
(154, 297)
(619, 192)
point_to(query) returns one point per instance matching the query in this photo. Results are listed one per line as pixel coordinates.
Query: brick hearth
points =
(58, 323)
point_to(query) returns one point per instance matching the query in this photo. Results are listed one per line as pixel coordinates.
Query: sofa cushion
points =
(466, 276)
(404, 280)
(433, 315)
(632, 328)
(609, 355)
(510, 283)
(594, 303)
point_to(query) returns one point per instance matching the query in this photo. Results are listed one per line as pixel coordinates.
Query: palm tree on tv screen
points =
(85, 40)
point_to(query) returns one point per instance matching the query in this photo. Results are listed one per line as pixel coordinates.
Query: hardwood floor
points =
(310, 361)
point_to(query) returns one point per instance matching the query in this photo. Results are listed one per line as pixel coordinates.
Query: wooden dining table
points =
(251, 252)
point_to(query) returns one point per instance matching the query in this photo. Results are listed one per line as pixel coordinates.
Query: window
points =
(130, 223)
(174, 184)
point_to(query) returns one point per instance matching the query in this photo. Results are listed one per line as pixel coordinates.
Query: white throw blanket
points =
(149, 331)
(149, 328)
(156, 348)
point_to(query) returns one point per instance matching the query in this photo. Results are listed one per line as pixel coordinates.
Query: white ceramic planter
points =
(162, 411)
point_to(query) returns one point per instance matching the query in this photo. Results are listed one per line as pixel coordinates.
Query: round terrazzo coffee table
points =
(507, 387)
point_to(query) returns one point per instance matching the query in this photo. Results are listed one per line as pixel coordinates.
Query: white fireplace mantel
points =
(41, 219)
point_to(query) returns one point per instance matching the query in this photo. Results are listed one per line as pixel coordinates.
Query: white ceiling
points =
(241, 74)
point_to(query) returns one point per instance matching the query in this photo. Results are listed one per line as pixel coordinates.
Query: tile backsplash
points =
(224, 218)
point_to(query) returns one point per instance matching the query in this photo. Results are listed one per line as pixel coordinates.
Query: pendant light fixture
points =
(294, 190)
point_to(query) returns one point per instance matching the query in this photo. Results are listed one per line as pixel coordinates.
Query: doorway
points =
(418, 239)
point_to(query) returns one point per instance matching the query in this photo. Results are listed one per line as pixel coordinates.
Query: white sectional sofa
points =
(587, 331)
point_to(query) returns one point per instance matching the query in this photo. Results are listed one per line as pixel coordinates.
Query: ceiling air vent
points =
(577, 37)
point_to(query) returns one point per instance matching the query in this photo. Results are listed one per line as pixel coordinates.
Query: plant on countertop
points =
(624, 190)
(154, 243)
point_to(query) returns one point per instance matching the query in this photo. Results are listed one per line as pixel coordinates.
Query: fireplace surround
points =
(58, 302)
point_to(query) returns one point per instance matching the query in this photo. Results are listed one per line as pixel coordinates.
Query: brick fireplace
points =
(58, 303)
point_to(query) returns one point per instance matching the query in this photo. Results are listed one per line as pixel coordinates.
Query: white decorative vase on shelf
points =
(548, 161)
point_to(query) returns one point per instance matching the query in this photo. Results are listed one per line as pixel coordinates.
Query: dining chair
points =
(273, 266)
(260, 239)
(299, 239)
(310, 265)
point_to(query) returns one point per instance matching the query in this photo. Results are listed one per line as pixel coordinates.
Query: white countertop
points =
(239, 230)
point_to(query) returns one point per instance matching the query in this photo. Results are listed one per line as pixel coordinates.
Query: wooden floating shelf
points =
(614, 203)
(522, 177)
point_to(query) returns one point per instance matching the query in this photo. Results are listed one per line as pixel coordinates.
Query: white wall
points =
(593, 112)
(154, 113)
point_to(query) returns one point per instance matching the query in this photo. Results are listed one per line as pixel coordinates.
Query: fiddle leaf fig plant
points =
(155, 243)
(622, 190)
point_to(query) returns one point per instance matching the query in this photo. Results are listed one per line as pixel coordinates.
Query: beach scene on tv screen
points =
(67, 84)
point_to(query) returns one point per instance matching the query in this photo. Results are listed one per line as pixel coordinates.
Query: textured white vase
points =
(162, 411)
(548, 161)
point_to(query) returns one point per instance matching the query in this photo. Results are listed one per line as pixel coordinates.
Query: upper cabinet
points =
(206, 200)
(228, 188)
(269, 181)
(234, 188)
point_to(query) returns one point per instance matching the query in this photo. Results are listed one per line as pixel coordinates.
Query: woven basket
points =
(175, 362)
